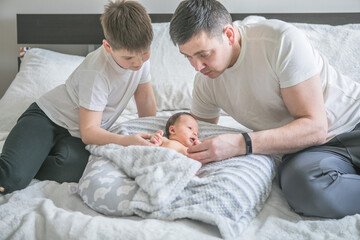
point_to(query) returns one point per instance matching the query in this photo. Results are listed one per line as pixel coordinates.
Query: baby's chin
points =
(190, 143)
(187, 144)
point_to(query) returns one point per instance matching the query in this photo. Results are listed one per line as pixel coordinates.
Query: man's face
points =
(210, 56)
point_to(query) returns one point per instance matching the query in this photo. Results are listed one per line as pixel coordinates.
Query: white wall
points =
(9, 8)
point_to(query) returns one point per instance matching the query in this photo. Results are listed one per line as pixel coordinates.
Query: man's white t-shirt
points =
(98, 84)
(274, 55)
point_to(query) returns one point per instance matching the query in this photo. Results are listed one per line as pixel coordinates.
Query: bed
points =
(49, 210)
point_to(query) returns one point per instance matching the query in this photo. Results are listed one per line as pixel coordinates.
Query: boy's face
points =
(185, 130)
(126, 59)
(210, 56)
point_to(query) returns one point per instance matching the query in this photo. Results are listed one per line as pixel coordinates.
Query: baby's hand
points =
(156, 138)
(196, 142)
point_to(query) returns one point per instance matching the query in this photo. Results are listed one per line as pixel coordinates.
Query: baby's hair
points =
(171, 121)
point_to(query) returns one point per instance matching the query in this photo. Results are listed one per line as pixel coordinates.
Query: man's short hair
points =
(127, 25)
(172, 120)
(193, 16)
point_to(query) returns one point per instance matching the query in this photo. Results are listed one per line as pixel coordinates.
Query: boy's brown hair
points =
(127, 25)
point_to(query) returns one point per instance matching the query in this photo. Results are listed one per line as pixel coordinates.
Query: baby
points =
(182, 131)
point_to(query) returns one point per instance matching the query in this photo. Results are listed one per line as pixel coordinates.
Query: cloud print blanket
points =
(156, 182)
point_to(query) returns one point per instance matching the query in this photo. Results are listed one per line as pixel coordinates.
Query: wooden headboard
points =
(86, 28)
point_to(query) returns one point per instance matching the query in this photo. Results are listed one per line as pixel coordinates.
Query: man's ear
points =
(107, 46)
(172, 130)
(229, 32)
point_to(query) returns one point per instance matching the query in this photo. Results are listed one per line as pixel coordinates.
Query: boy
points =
(48, 141)
(182, 131)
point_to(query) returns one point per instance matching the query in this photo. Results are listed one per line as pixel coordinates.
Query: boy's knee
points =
(65, 163)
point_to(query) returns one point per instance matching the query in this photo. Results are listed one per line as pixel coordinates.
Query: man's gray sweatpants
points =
(324, 181)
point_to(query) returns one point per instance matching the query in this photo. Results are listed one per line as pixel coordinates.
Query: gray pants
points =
(324, 181)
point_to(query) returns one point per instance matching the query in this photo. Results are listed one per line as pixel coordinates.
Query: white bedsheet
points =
(48, 210)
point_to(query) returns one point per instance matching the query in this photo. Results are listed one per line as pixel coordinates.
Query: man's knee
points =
(296, 186)
(309, 189)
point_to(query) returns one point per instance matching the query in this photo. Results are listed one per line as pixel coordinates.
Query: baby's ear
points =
(172, 130)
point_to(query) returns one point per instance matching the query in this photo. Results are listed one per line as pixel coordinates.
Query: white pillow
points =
(340, 45)
(171, 72)
(41, 70)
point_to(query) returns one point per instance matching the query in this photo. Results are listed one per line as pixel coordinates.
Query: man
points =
(267, 76)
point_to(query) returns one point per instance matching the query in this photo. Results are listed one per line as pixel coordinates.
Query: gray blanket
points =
(160, 183)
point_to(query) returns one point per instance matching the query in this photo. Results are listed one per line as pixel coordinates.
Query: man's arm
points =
(145, 100)
(91, 133)
(304, 102)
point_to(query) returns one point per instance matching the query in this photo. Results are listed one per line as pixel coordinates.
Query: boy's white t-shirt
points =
(274, 55)
(98, 84)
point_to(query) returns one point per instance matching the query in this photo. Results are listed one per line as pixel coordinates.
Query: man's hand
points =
(217, 148)
(156, 138)
(138, 139)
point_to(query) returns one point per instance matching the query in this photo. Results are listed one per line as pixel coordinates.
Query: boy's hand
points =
(156, 138)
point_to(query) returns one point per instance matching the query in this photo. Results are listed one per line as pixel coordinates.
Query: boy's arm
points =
(92, 133)
(145, 100)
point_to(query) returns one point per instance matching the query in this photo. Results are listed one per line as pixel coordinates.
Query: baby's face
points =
(186, 130)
